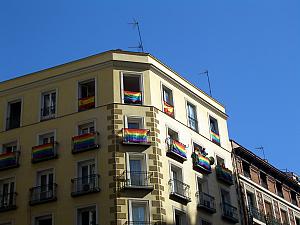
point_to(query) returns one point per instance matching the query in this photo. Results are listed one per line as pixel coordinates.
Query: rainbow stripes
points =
(135, 135)
(84, 141)
(133, 97)
(201, 162)
(178, 148)
(86, 103)
(42, 152)
(224, 174)
(8, 159)
(168, 109)
(215, 137)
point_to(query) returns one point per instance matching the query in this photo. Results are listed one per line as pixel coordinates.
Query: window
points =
(268, 207)
(172, 135)
(294, 198)
(205, 222)
(137, 170)
(43, 220)
(87, 216)
(132, 89)
(45, 184)
(7, 190)
(86, 94)
(13, 115)
(86, 169)
(179, 217)
(46, 138)
(176, 178)
(168, 105)
(225, 196)
(214, 130)
(263, 180)
(246, 169)
(86, 128)
(134, 122)
(9, 147)
(284, 216)
(138, 212)
(48, 105)
(202, 185)
(251, 200)
(192, 117)
(279, 189)
(220, 161)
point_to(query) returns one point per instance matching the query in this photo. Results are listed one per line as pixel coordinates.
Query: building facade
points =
(115, 138)
(267, 195)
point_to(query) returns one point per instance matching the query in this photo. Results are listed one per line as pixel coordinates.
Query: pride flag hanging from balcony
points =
(133, 97)
(83, 141)
(135, 135)
(43, 151)
(201, 162)
(168, 109)
(8, 159)
(86, 103)
(215, 137)
(178, 148)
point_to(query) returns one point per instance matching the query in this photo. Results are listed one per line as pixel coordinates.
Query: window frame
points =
(137, 201)
(182, 213)
(142, 86)
(77, 209)
(7, 111)
(188, 117)
(133, 117)
(162, 85)
(41, 104)
(42, 215)
(38, 135)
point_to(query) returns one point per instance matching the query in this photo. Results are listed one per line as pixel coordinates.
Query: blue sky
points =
(251, 49)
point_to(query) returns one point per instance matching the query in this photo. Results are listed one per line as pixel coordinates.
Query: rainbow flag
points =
(179, 149)
(215, 137)
(224, 174)
(132, 97)
(168, 109)
(43, 151)
(86, 103)
(135, 135)
(83, 141)
(8, 159)
(203, 163)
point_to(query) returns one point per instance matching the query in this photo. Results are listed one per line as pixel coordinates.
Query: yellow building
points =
(115, 138)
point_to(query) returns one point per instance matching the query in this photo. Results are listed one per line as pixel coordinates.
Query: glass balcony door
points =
(6, 192)
(45, 181)
(86, 172)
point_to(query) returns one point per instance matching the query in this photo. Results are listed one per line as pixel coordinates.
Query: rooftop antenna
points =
(135, 24)
(263, 151)
(206, 73)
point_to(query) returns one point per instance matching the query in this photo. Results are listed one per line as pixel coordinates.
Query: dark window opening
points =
(87, 89)
(294, 198)
(168, 96)
(220, 161)
(246, 169)
(14, 115)
(263, 180)
(173, 135)
(131, 83)
(251, 200)
(279, 189)
(214, 125)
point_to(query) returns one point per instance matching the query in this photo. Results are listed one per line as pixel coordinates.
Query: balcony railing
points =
(85, 185)
(257, 214)
(12, 123)
(136, 136)
(179, 191)
(8, 201)
(44, 152)
(42, 194)
(48, 113)
(224, 174)
(133, 97)
(136, 180)
(176, 150)
(86, 103)
(206, 201)
(229, 212)
(9, 160)
(85, 142)
(138, 223)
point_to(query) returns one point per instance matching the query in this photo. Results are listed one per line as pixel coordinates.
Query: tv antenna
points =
(206, 73)
(263, 151)
(135, 24)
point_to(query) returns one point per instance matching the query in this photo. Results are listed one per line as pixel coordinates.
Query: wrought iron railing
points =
(8, 201)
(224, 174)
(85, 142)
(44, 193)
(229, 212)
(12, 123)
(206, 201)
(86, 184)
(179, 189)
(136, 179)
(257, 214)
(44, 152)
(48, 112)
(9, 160)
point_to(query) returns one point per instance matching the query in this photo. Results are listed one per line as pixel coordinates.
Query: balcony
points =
(201, 163)
(48, 113)
(86, 103)
(224, 175)
(136, 136)
(176, 150)
(229, 213)
(85, 142)
(8, 201)
(85, 185)
(133, 97)
(43, 194)
(179, 191)
(256, 214)
(9, 160)
(168, 109)
(136, 180)
(44, 152)
(206, 202)
(12, 123)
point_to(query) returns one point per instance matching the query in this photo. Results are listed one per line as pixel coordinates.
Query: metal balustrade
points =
(48, 112)
(180, 190)
(85, 185)
(206, 201)
(44, 193)
(229, 212)
(136, 179)
(8, 201)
